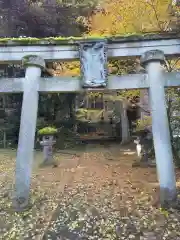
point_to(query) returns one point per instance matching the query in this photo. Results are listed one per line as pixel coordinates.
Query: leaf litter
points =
(97, 195)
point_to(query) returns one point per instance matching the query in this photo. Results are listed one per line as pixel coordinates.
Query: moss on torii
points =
(94, 38)
(47, 131)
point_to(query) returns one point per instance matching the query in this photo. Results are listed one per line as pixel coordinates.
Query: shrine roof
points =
(23, 41)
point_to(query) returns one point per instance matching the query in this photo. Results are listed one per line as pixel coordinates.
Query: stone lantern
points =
(48, 140)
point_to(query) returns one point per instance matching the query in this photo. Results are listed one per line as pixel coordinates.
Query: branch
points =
(168, 65)
(144, 110)
(177, 60)
(137, 105)
(155, 12)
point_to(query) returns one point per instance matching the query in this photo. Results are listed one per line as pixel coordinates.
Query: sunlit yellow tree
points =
(122, 17)
(131, 16)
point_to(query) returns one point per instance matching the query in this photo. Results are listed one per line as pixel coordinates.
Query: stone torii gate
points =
(93, 55)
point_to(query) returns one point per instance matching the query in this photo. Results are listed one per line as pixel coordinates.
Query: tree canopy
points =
(43, 18)
(131, 17)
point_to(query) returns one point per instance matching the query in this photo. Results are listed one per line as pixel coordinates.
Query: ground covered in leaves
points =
(93, 194)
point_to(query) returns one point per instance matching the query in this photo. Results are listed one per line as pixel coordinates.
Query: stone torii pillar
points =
(29, 110)
(152, 60)
(124, 122)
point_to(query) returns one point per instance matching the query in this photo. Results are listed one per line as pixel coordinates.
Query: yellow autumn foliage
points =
(130, 16)
(122, 17)
(141, 124)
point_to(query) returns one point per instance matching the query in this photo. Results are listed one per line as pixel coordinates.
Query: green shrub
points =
(144, 123)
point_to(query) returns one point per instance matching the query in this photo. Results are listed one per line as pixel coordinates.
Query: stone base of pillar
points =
(168, 198)
(20, 204)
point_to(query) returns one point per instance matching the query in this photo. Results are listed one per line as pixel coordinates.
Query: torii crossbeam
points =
(152, 53)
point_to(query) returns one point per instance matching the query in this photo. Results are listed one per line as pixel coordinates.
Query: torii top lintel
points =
(58, 48)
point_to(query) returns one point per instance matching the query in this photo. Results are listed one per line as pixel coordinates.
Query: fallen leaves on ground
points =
(87, 197)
